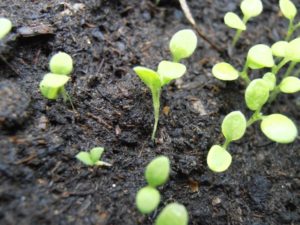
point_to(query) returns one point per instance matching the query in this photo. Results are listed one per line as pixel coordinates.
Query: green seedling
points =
(233, 128)
(158, 171)
(182, 45)
(92, 158)
(61, 63)
(147, 199)
(289, 11)
(250, 9)
(5, 27)
(279, 48)
(173, 214)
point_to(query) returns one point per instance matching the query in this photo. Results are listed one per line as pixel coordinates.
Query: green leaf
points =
(293, 50)
(85, 158)
(260, 56)
(232, 20)
(234, 126)
(173, 214)
(288, 9)
(183, 44)
(218, 159)
(147, 199)
(279, 128)
(290, 85)
(270, 80)
(51, 85)
(225, 71)
(157, 171)
(257, 94)
(169, 71)
(279, 48)
(148, 76)
(251, 8)
(5, 27)
(96, 153)
(61, 63)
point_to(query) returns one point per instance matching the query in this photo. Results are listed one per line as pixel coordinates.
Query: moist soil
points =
(41, 182)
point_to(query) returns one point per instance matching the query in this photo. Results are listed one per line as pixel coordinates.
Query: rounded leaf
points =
(260, 56)
(279, 128)
(51, 84)
(232, 20)
(234, 126)
(183, 44)
(279, 48)
(85, 158)
(157, 171)
(256, 94)
(225, 71)
(61, 63)
(148, 76)
(288, 9)
(96, 153)
(270, 80)
(290, 85)
(173, 214)
(5, 27)
(293, 50)
(169, 71)
(147, 199)
(251, 8)
(218, 159)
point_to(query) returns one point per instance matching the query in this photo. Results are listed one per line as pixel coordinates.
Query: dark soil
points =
(41, 182)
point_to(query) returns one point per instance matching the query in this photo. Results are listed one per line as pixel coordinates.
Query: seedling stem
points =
(244, 73)
(238, 33)
(156, 105)
(257, 115)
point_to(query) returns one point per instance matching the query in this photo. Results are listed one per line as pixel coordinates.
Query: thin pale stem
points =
(238, 33)
(275, 69)
(226, 144)
(290, 69)
(244, 73)
(255, 117)
(67, 97)
(156, 106)
(291, 30)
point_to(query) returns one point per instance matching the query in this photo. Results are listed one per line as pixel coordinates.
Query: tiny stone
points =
(216, 201)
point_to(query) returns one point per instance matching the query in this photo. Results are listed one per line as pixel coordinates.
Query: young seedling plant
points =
(250, 9)
(182, 45)
(173, 214)
(93, 157)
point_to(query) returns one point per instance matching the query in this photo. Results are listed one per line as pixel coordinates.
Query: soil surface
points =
(41, 182)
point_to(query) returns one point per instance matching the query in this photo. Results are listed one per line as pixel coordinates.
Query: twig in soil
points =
(186, 10)
(7, 63)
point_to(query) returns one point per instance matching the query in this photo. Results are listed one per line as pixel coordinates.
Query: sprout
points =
(290, 85)
(61, 63)
(173, 214)
(5, 27)
(260, 56)
(92, 158)
(225, 71)
(183, 44)
(279, 128)
(218, 159)
(157, 171)
(147, 199)
(257, 94)
(279, 48)
(270, 80)
(232, 20)
(288, 9)
(251, 8)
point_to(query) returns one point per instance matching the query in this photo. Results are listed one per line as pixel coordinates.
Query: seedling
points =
(289, 11)
(250, 9)
(61, 63)
(182, 45)
(5, 27)
(92, 158)
(147, 199)
(173, 214)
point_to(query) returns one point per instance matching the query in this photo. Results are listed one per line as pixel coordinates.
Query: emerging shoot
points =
(92, 158)
(173, 214)
(289, 11)
(5, 27)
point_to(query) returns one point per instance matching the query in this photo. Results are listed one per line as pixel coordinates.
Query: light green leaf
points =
(257, 94)
(148, 76)
(290, 85)
(260, 56)
(61, 63)
(279, 128)
(279, 48)
(251, 8)
(51, 85)
(183, 44)
(270, 80)
(293, 50)
(85, 158)
(218, 159)
(157, 171)
(288, 9)
(173, 214)
(5, 27)
(232, 20)
(96, 153)
(147, 199)
(225, 71)
(169, 71)
(234, 126)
